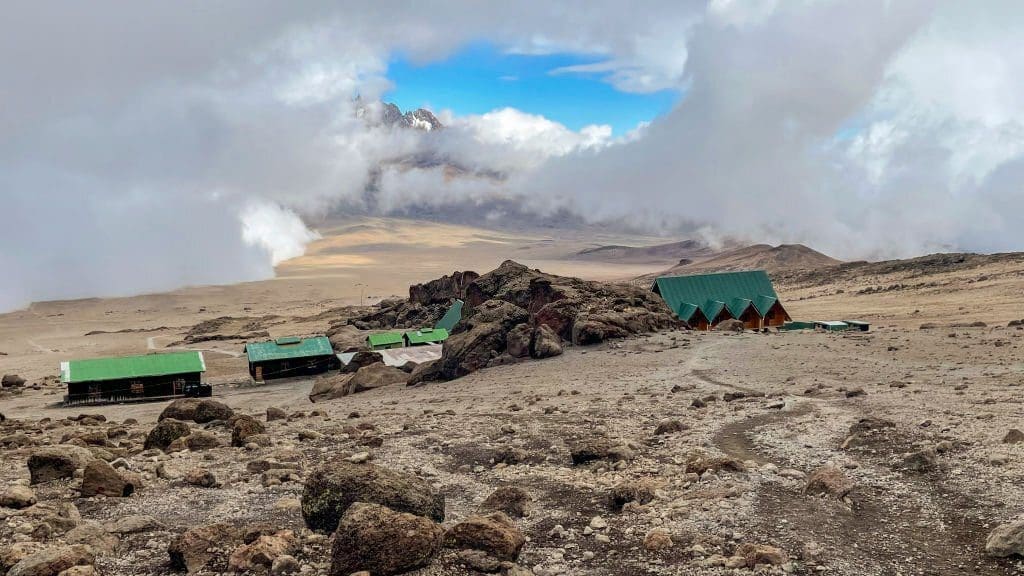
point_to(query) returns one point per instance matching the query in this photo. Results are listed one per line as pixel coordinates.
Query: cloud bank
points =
(148, 146)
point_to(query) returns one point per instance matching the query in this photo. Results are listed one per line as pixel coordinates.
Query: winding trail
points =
(151, 345)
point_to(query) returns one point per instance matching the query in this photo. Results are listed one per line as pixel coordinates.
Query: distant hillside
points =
(774, 259)
(673, 251)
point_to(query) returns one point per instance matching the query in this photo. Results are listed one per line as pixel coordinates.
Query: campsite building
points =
(385, 340)
(704, 300)
(425, 336)
(290, 357)
(133, 378)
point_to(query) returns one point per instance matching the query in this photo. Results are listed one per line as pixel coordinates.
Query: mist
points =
(151, 146)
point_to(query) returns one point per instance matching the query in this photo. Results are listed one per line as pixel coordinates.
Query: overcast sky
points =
(146, 145)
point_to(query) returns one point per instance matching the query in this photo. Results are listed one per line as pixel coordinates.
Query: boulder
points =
(12, 381)
(829, 480)
(101, 479)
(332, 488)
(382, 541)
(16, 552)
(134, 524)
(1006, 540)
(443, 289)
(209, 410)
(657, 539)
(1013, 436)
(425, 372)
(754, 555)
(585, 450)
(519, 340)
(196, 441)
(201, 478)
(55, 462)
(484, 338)
(640, 491)
(194, 548)
(53, 561)
(166, 431)
(511, 500)
(921, 461)
(93, 535)
(670, 426)
(200, 411)
(182, 409)
(276, 414)
(361, 358)
(375, 376)
(546, 343)
(263, 551)
(243, 427)
(731, 325)
(17, 497)
(494, 533)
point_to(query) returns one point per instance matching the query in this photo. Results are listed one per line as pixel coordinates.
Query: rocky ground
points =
(890, 452)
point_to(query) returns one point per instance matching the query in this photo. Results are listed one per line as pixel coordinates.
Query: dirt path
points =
(914, 525)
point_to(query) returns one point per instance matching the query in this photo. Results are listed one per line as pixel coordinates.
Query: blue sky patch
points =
(481, 77)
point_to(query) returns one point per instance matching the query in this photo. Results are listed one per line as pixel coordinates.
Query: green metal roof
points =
(734, 291)
(285, 348)
(451, 317)
(97, 369)
(427, 336)
(385, 339)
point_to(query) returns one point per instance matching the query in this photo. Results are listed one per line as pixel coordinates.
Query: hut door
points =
(259, 373)
(178, 387)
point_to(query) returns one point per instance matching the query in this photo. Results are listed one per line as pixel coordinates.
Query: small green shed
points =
(385, 340)
(425, 336)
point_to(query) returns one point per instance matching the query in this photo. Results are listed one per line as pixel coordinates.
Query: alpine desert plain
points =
(666, 451)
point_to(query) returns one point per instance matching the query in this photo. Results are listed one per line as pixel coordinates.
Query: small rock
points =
(657, 539)
(17, 497)
(495, 534)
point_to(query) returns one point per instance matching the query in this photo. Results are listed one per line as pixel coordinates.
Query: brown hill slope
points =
(672, 251)
(774, 259)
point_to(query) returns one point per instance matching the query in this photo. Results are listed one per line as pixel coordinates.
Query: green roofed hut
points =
(425, 336)
(385, 340)
(704, 300)
(134, 378)
(290, 357)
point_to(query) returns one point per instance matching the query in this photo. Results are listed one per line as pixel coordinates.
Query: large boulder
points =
(53, 561)
(332, 488)
(494, 533)
(200, 411)
(101, 479)
(165, 432)
(360, 359)
(194, 548)
(484, 338)
(56, 462)
(519, 340)
(730, 325)
(382, 542)
(366, 378)
(546, 343)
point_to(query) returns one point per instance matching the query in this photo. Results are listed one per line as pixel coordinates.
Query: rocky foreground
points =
(893, 452)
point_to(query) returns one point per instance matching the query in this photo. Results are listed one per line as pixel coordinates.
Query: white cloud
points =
(277, 230)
